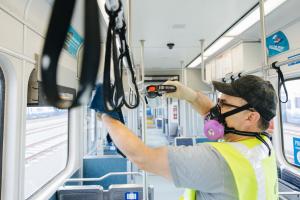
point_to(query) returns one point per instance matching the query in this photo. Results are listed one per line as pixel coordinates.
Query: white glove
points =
(182, 92)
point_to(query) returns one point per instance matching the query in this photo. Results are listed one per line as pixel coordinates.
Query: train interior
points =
(51, 153)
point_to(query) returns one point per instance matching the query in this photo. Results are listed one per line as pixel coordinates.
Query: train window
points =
(2, 100)
(290, 117)
(46, 144)
(90, 130)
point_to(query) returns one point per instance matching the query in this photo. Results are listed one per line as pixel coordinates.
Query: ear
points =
(254, 117)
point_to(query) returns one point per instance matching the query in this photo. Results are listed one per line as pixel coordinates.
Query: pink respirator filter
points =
(213, 129)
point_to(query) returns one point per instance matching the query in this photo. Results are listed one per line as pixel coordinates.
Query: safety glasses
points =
(221, 103)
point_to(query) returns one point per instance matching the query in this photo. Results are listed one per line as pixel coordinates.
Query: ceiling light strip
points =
(241, 25)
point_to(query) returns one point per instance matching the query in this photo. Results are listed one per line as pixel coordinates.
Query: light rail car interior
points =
(56, 55)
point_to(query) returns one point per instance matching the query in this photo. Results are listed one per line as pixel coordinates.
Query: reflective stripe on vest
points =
(254, 172)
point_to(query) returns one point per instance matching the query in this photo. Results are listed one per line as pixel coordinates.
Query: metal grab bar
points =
(286, 62)
(289, 193)
(103, 177)
(277, 64)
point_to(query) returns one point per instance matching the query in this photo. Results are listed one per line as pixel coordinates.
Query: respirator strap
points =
(251, 134)
(237, 110)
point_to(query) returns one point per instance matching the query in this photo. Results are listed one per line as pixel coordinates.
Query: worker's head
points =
(252, 90)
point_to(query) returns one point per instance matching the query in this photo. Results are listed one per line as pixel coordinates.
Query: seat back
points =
(184, 141)
(85, 192)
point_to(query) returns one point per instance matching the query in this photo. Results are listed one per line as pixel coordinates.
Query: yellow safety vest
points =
(254, 172)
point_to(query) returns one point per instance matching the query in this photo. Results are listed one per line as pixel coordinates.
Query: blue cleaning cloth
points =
(97, 104)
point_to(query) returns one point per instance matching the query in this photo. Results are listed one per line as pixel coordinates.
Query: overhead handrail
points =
(287, 62)
(277, 64)
(57, 31)
(113, 90)
(289, 193)
(103, 177)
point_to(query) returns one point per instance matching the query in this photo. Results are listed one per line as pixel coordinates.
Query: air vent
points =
(178, 26)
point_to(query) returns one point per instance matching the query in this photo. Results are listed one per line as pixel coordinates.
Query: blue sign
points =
(277, 43)
(294, 56)
(131, 196)
(296, 142)
(73, 42)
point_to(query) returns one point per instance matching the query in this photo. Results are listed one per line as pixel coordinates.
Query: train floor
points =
(156, 137)
(163, 188)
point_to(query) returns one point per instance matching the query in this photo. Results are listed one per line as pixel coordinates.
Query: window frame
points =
(44, 103)
(281, 122)
(91, 146)
(2, 109)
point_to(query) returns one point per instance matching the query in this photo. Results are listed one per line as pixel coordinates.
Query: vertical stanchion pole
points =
(184, 105)
(144, 122)
(129, 35)
(263, 37)
(202, 59)
(181, 107)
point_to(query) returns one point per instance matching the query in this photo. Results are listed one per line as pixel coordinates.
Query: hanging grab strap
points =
(114, 95)
(134, 96)
(55, 38)
(281, 81)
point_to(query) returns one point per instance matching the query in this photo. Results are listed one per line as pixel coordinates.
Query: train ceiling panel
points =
(182, 22)
(281, 17)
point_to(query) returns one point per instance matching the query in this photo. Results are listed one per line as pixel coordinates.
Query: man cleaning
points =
(242, 166)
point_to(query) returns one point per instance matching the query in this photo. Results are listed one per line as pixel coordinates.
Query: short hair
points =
(263, 124)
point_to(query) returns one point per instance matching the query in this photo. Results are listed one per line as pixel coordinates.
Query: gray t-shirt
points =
(204, 169)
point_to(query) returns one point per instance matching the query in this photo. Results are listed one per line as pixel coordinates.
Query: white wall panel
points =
(252, 55)
(33, 44)
(194, 80)
(78, 17)
(39, 15)
(237, 58)
(11, 33)
(15, 6)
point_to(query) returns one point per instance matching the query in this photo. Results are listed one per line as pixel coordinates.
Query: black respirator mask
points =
(215, 126)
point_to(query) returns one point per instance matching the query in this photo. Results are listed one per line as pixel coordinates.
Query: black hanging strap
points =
(112, 100)
(58, 27)
(281, 81)
(134, 98)
(114, 95)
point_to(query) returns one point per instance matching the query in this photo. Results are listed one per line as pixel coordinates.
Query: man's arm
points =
(200, 102)
(154, 160)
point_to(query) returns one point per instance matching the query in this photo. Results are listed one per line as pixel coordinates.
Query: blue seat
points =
(288, 182)
(291, 178)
